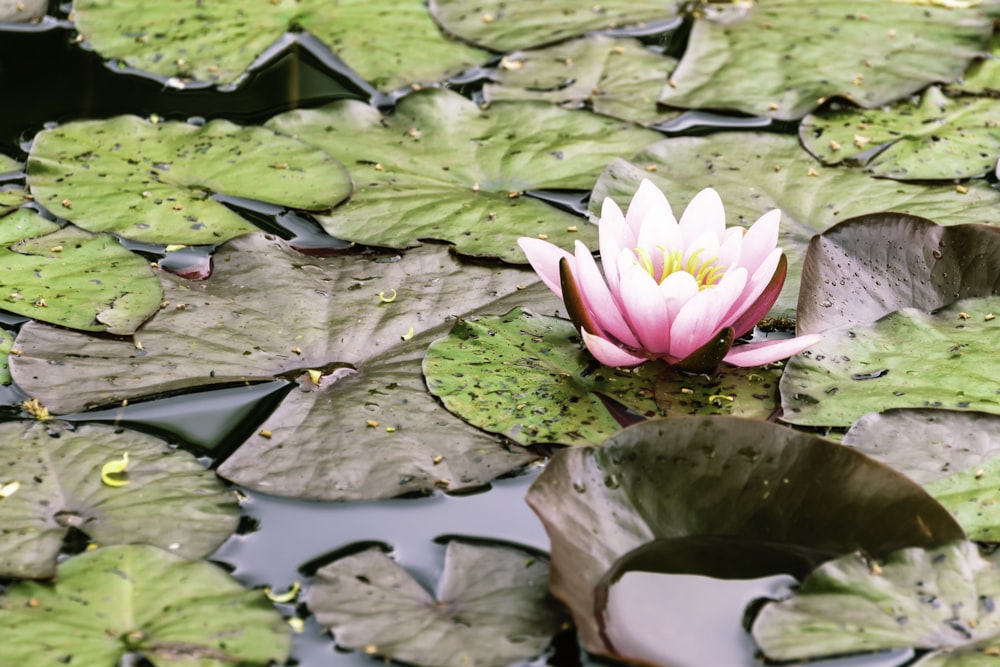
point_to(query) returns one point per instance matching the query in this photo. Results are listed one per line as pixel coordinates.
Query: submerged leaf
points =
(492, 607)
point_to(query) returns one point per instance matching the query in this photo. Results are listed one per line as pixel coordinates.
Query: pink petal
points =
(731, 249)
(648, 203)
(544, 259)
(644, 310)
(614, 235)
(748, 300)
(676, 290)
(758, 354)
(608, 353)
(758, 309)
(699, 318)
(760, 240)
(705, 214)
(603, 307)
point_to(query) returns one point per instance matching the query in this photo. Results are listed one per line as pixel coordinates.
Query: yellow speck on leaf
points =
(174, 247)
(315, 376)
(35, 409)
(114, 471)
(9, 489)
(387, 299)
(408, 335)
(287, 596)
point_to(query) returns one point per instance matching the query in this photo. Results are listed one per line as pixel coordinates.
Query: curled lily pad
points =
(153, 182)
(492, 607)
(908, 358)
(11, 197)
(887, 54)
(220, 40)
(722, 477)
(942, 600)
(441, 168)
(165, 496)
(73, 278)
(526, 377)
(869, 266)
(755, 172)
(954, 455)
(937, 138)
(140, 600)
(615, 76)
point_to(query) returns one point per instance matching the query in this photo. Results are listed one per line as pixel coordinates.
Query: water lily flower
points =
(677, 291)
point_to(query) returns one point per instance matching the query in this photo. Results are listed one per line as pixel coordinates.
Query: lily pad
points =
(12, 197)
(140, 600)
(441, 168)
(506, 25)
(165, 498)
(22, 11)
(867, 267)
(935, 138)
(217, 42)
(613, 76)
(153, 182)
(718, 477)
(907, 359)
(755, 172)
(885, 54)
(8, 164)
(6, 342)
(492, 607)
(941, 600)
(983, 76)
(526, 377)
(73, 278)
(332, 312)
(954, 455)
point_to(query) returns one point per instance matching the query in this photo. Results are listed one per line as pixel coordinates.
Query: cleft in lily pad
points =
(443, 169)
(492, 607)
(941, 600)
(120, 604)
(935, 138)
(526, 377)
(163, 496)
(153, 182)
(740, 480)
(907, 359)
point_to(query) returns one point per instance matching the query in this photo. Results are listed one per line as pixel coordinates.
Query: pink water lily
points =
(677, 291)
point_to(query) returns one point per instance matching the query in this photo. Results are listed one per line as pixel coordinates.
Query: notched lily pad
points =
(153, 182)
(907, 359)
(72, 278)
(613, 76)
(954, 455)
(526, 377)
(492, 607)
(140, 600)
(887, 54)
(441, 168)
(942, 600)
(164, 497)
(719, 477)
(937, 138)
(867, 267)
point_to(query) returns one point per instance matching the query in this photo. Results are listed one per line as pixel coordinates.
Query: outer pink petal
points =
(648, 203)
(705, 214)
(758, 354)
(750, 302)
(603, 307)
(644, 310)
(609, 354)
(699, 319)
(760, 240)
(544, 259)
(614, 235)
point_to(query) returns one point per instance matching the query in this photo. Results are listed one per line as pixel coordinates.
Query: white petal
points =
(648, 202)
(705, 214)
(676, 290)
(614, 235)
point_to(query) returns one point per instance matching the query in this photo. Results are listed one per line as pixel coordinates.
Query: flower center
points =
(705, 271)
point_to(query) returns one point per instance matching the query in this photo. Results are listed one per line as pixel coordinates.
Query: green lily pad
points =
(441, 168)
(983, 76)
(8, 164)
(942, 600)
(6, 343)
(721, 477)
(885, 54)
(867, 267)
(954, 455)
(143, 601)
(526, 377)
(506, 25)
(167, 499)
(218, 41)
(935, 138)
(492, 607)
(72, 278)
(907, 359)
(11, 198)
(615, 76)
(153, 182)
(755, 172)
